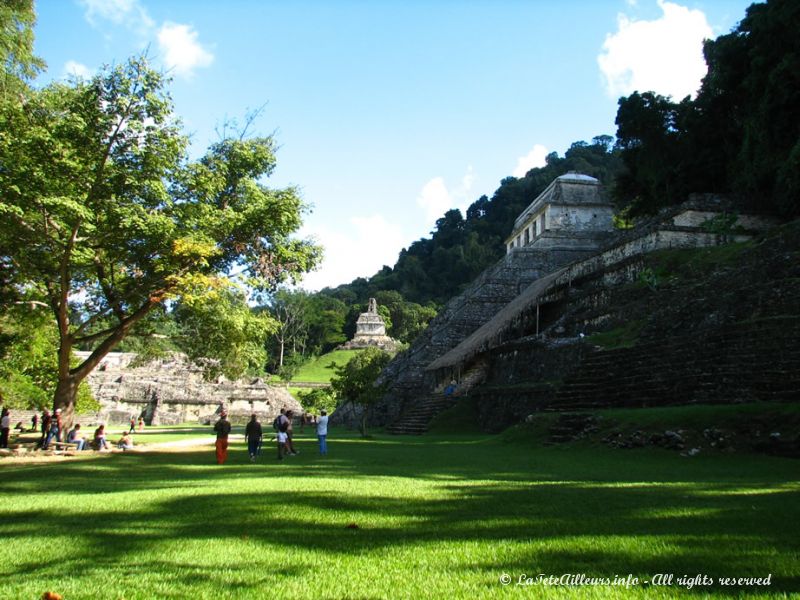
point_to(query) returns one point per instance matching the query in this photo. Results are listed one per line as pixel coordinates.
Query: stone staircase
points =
(750, 362)
(570, 427)
(416, 420)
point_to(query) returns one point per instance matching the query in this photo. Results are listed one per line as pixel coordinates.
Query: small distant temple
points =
(371, 331)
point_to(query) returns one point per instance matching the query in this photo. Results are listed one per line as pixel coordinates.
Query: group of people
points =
(52, 430)
(253, 435)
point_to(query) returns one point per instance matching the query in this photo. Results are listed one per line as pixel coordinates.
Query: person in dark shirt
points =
(46, 418)
(223, 430)
(55, 429)
(252, 435)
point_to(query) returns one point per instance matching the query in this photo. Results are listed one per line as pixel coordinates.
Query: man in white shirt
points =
(322, 432)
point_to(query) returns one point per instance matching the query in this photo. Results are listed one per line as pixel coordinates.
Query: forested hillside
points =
(739, 136)
(433, 270)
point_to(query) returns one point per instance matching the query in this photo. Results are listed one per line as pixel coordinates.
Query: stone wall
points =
(173, 391)
(608, 259)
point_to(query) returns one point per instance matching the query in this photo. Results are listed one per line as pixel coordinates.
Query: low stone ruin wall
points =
(172, 391)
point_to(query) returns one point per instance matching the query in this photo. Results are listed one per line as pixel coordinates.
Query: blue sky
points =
(388, 113)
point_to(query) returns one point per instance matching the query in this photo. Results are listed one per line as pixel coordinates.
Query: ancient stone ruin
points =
(371, 331)
(172, 390)
(515, 338)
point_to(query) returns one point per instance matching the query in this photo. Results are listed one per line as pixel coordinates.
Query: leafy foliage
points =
(355, 381)
(741, 135)
(29, 365)
(222, 332)
(104, 220)
(317, 400)
(19, 64)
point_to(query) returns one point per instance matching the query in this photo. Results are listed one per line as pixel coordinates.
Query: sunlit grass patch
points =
(393, 517)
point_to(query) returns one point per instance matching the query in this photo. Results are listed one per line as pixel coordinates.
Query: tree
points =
(19, 64)
(326, 317)
(355, 381)
(652, 143)
(740, 136)
(104, 219)
(28, 369)
(221, 332)
(289, 310)
(317, 400)
(407, 319)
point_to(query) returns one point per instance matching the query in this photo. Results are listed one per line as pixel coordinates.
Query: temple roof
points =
(570, 188)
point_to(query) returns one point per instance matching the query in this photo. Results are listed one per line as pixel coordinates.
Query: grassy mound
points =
(320, 368)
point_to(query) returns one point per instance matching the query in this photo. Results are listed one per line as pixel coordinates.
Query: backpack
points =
(276, 423)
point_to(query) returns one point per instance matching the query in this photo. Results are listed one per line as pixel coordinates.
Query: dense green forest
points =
(739, 136)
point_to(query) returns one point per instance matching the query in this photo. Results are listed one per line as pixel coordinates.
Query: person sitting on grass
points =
(76, 437)
(126, 441)
(100, 442)
(5, 427)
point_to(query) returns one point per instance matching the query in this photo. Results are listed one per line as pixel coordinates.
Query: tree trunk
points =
(64, 398)
(363, 425)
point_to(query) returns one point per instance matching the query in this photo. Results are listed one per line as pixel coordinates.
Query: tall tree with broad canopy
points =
(355, 381)
(104, 218)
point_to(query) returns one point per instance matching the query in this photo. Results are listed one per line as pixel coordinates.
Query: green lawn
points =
(319, 369)
(397, 517)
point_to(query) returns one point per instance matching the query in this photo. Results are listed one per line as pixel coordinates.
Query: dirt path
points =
(39, 457)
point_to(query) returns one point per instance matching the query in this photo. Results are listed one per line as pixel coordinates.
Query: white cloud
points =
(369, 244)
(435, 198)
(128, 13)
(534, 158)
(75, 69)
(664, 55)
(182, 52)
(178, 43)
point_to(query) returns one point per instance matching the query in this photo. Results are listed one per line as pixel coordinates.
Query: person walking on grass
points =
(322, 432)
(280, 423)
(252, 435)
(290, 433)
(46, 418)
(223, 430)
(281, 437)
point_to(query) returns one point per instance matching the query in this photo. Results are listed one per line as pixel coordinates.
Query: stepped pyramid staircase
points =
(746, 362)
(417, 419)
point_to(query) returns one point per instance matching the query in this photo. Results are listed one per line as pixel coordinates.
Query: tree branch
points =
(119, 332)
